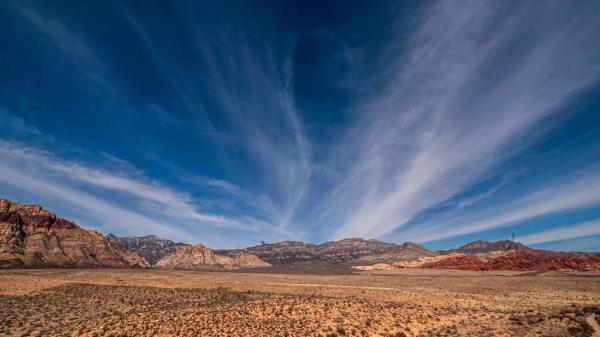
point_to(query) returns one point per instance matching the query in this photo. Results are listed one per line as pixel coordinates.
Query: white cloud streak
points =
(579, 192)
(150, 207)
(70, 47)
(259, 103)
(450, 105)
(17, 125)
(253, 89)
(581, 230)
(443, 121)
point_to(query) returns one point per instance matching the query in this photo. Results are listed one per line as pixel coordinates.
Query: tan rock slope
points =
(33, 237)
(202, 258)
(417, 263)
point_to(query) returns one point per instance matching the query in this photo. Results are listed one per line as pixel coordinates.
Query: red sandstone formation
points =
(459, 262)
(33, 237)
(536, 260)
(523, 260)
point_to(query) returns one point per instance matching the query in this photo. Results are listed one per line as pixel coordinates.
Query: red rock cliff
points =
(33, 237)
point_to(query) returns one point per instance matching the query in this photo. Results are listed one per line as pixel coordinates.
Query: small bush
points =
(398, 334)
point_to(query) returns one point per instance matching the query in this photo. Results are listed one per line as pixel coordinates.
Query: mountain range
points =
(482, 246)
(31, 237)
(150, 247)
(332, 256)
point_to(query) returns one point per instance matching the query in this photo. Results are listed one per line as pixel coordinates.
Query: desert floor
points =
(403, 303)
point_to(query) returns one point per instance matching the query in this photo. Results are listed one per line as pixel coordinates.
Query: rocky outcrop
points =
(338, 254)
(414, 263)
(278, 253)
(457, 262)
(247, 261)
(202, 258)
(150, 247)
(483, 247)
(517, 260)
(410, 252)
(354, 248)
(33, 237)
(541, 261)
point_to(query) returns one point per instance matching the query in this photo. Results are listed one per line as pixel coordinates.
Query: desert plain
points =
(411, 302)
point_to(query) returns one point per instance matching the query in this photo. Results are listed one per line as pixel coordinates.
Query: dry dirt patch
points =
(148, 303)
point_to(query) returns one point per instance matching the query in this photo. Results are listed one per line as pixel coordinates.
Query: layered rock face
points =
(456, 261)
(202, 258)
(355, 250)
(278, 253)
(523, 260)
(409, 252)
(515, 260)
(483, 247)
(343, 253)
(414, 263)
(541, 260)
(33, 237)
(150, 247)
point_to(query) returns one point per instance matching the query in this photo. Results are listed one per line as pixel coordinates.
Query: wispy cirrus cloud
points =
(580, 191)
(69, 48)
(250, 89)
(423, 116)
(16, 125)
(114, 201)
(475, 81)
(163, 116)
(581, 230)
(251, 84)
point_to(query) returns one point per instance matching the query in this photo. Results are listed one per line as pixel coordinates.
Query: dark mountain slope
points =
(333, 255)
(151, 247)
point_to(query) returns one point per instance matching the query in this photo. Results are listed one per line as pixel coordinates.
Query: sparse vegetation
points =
(178, 303)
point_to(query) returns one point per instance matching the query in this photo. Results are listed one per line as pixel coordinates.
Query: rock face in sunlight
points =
(150, 247)
(33, 237)
(540, 260)
(416, 263)
(357, 251)
(523, 260)
(513, 260)
(482, 246)
(202, 258)
(334, 255)
(456, 261)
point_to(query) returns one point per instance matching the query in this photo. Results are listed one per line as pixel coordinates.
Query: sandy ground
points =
(397, 303)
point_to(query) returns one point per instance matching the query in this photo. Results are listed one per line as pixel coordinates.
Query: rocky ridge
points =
(514, 260)
(346, 252)
(417, 263)
(202, 258)
(523, 260)
(483, 247)
(33, 237)
(150, 247)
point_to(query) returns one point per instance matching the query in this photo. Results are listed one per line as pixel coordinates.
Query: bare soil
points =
(399, 303)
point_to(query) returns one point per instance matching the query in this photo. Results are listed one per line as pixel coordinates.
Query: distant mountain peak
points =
(332, 254)
(151, 247)
(483, 246)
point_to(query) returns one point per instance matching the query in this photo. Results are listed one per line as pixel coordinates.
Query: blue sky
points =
(232, 122)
